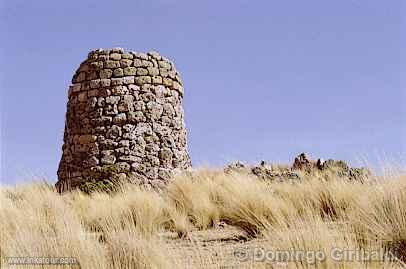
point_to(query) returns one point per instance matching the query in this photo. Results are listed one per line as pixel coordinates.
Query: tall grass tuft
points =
(125, 229)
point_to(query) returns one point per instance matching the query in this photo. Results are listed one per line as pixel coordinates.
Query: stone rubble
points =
(124, 110)
(301, 167)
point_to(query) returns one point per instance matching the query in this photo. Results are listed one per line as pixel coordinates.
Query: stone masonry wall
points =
(124, 110)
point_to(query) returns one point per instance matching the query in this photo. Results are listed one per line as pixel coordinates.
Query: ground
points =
(209, 218)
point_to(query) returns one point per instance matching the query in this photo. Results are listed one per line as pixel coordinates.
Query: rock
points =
(128, 80)
(153, 161)
(135, 117)
(91, 162)
(105, 82)
(142, 72)
(76, 87)
(134, 89)
(114, 132)
(82, 97)
(128, 98)
(94, 66)
(108, 159)
(238, 167)
(115, 56)
(155, 55)
(151, 172)
(164, 65)
(80, 77)
(127, 55)
(156, 80)
(117, 82)
(176, 85)
(265, 172)
(119, 89)
(142, 80)
(125, 106)
(125, 63)
(92, 75)
(167, 82)
(118, 72)
(128, 128)
(87, 139)
(123, 166)
(146, 63)
(112, 64)
(331, 167)
(360, 174)
(141, 55)
(153, 71)
(95, 83)
(155, 109)
(100, 101)
(168, 110)
(130, 71)
(165, 155)
(139, 106)
(112, 100)
(337, 165)
(117, 50)
(143, 129)
(91, 103)
(120, 118)
(130, 158)
(342, 170)
(137, 63)
(108, 144)
(320, 163)
(122, 177)
(302, 162)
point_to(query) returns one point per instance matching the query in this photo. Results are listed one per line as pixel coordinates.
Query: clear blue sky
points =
(263, 79)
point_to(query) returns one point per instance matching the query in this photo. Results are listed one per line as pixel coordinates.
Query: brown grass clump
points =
(139, 228)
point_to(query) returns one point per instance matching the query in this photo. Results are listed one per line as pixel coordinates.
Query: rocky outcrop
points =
(334, 167)
(301, 168)
(342, 170)
(263, 171)
(125, 115)
(303, 163)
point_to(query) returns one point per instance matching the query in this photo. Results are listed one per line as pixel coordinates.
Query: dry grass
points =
(127, 229)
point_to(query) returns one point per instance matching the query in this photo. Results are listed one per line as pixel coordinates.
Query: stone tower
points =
(124, 111)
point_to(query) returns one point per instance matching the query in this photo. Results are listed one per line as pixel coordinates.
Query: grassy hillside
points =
(209, 219)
